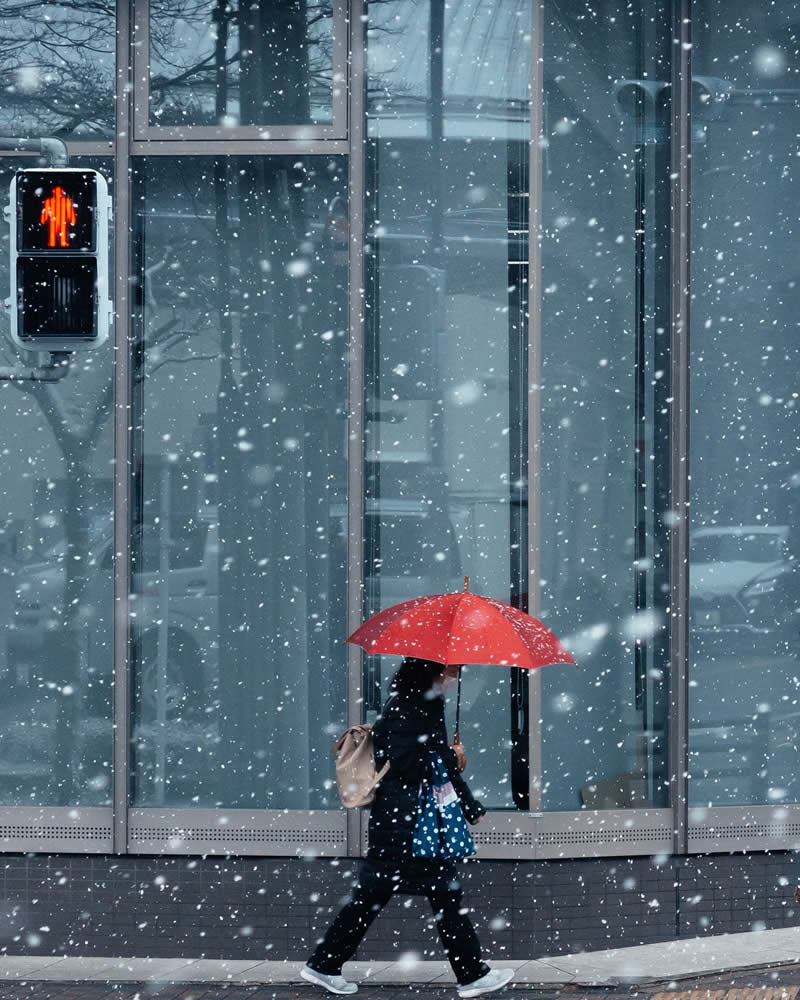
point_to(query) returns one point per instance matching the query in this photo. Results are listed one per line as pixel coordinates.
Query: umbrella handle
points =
(457, 738)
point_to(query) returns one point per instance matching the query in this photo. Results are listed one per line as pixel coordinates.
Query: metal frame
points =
(680, 299)
(122, 442)
(143, 130)
(535, 167)
(80, 148)
(355, 389)
(75, 147)
(502, 834)
(234, 831)
(604, 832)
(248, 147)
(510, 835)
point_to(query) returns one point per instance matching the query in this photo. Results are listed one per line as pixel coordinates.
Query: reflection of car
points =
(470, 237)
(189, 588)
(772, 604)
(723, 562)
(39, 597)
(178, 676)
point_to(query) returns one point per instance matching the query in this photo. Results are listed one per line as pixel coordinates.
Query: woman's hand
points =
(458, 749)
(475, 821)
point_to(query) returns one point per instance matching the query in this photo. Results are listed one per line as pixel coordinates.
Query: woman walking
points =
(410, 734)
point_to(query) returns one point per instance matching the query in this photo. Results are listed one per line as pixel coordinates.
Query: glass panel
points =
(449, 126)
(55, 576)
(57, 67)
(226, 63)
(239, 564)
(605, 390)
(744, 574)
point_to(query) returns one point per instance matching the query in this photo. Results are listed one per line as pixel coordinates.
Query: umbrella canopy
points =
(461, 628)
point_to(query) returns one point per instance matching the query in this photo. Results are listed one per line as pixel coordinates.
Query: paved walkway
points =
(651, 963)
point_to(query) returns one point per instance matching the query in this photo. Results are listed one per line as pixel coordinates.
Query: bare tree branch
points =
(181, 361)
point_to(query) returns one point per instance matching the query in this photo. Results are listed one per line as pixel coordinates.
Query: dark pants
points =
(455, 931)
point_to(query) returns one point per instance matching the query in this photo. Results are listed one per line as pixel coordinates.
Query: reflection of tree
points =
(75, 433)
(273, 56)
(76, 412)
(254, 312)
(245, 267)
(57, 67)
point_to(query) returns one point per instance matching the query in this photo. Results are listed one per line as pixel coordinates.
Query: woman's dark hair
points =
(415, 676)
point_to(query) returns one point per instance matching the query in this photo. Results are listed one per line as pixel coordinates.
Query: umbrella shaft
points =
(458, 708)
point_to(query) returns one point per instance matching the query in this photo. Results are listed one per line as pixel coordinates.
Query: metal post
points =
(640, 537)
(680, 180)
(534, 386)
(658, 663)
(122, 444)
(517, 200)
(355, 405)
(436, 117)
(49, 148)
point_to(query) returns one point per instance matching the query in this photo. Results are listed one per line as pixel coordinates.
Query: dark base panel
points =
(277, 908)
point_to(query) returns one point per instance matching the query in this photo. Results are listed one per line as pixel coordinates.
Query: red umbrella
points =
(461, 628)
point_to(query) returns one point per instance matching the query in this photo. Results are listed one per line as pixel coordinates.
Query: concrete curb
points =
(674, 960)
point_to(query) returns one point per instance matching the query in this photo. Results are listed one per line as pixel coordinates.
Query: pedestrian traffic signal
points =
(59, 259)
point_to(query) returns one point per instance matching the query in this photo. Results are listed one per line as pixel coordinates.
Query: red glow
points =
(58, 213)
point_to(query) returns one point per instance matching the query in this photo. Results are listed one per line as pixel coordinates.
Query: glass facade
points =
(744, 577)
(401, 297)
(446, 283)
(238, 563)
(604, 425)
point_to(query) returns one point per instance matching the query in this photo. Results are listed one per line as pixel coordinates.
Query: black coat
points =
(408, 732)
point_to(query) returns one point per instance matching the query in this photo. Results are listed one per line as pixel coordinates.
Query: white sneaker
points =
(495, 979)
(333, 984)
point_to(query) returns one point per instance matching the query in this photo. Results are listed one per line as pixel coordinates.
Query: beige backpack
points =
(355, 767)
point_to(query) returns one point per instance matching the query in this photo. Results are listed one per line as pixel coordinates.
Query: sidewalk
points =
(651, 963)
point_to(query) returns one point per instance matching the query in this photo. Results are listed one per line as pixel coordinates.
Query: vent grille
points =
(52, 831)
(499, 839)
(625, 835)
(244, 836)
(746, 831)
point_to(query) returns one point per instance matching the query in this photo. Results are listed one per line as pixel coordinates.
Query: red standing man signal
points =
(58, 213)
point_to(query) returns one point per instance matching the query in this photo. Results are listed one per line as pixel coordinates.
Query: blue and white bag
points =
(441, 830)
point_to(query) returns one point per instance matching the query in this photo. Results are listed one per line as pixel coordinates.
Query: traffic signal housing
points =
(59, 259)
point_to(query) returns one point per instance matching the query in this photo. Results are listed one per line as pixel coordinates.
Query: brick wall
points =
(278, 907)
